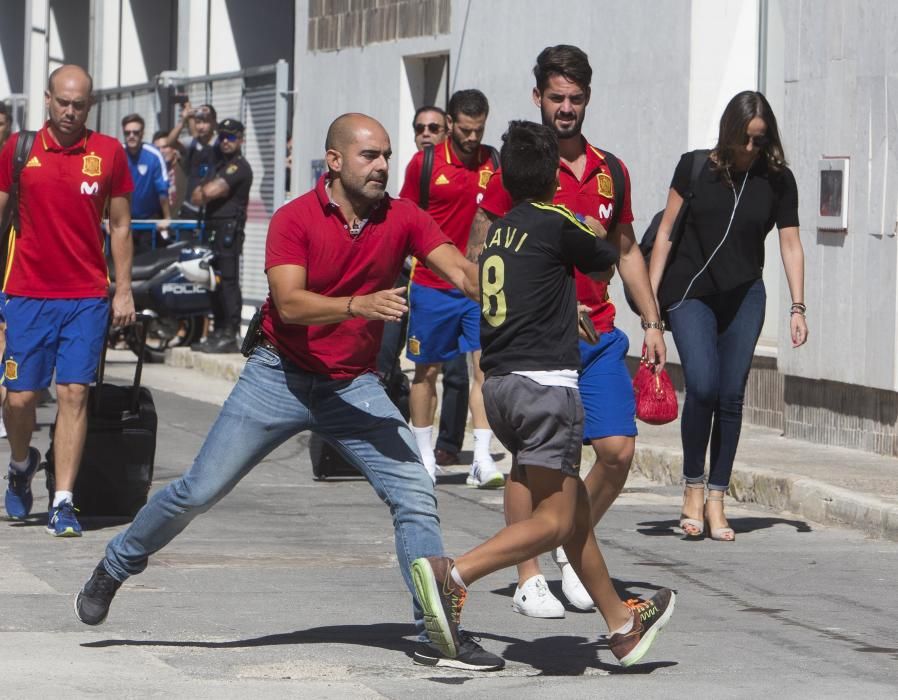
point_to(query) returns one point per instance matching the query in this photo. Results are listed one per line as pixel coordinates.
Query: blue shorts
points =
(442, 324)
(43, 334)
(606, 389)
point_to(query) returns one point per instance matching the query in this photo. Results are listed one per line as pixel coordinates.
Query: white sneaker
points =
(534, 599)
(485, 475)
(571, 585)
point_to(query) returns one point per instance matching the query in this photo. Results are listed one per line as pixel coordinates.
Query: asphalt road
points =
(289, 587)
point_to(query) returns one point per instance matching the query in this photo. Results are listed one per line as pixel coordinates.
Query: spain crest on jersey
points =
(92, 165)
(606, 186)
(485, 176)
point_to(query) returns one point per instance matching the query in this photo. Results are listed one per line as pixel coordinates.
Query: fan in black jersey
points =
(531, 359)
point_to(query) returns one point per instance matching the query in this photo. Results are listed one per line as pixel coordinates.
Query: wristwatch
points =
(653, 324)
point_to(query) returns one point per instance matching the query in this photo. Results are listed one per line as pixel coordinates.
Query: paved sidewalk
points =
(829, 485)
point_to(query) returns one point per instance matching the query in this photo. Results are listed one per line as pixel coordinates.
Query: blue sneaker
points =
(63, 522)
(18, 494)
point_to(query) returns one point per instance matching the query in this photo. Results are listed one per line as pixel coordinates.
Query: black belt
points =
(268, 345)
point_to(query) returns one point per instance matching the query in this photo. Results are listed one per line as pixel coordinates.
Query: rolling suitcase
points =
(117, 463)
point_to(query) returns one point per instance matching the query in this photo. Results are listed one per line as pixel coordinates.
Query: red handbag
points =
(656, 400)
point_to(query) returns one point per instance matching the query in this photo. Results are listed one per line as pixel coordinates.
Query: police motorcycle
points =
(172, 288)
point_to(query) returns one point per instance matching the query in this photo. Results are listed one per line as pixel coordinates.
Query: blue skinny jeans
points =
(716, 338)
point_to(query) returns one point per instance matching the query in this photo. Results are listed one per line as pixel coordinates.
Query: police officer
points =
(224, 197)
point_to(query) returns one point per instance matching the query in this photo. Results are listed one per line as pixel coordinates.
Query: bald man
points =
(331, 258)
(56, 285)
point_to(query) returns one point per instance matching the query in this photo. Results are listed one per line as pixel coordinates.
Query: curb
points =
(227, 366)
(784, 492)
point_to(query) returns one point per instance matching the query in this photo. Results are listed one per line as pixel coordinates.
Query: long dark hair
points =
(733, 125)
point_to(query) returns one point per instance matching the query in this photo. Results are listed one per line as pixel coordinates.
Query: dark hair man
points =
(224, 197)
(562, 92)
(58, 320)
(172, 156)
(531, 358)
(150, 177)
(442, 322)
(429, 125)
(332, 256)
(200, 155)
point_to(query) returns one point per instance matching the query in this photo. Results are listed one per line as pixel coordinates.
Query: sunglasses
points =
(433, 128)
(228, 137)
(133, 132)
(756, 141)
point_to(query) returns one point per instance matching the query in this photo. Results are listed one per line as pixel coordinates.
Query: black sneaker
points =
(441, 601)
(649, 618)
(471, 656)
(93, 601)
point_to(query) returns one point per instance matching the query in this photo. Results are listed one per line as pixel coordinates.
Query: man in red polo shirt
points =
(332, 256)
(56, 284)
(442, 322)
(562, 91)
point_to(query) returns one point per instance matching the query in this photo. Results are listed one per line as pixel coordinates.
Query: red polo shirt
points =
(311, 232)
(593, 195)
(455, 192)
(63, 193)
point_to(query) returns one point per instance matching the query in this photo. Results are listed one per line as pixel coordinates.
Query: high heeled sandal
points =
(720, 534)
(691, 527)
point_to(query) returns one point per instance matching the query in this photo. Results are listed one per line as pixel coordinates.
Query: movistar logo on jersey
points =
(90, 188)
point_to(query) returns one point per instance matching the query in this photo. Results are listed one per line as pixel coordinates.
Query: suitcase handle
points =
(141, 323)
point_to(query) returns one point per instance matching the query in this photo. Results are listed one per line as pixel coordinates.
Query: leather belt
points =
(268, 345)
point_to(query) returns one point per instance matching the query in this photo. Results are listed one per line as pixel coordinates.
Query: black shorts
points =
(542, 426)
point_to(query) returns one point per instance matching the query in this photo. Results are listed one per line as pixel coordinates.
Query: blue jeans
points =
(716, 338)
(273, 401)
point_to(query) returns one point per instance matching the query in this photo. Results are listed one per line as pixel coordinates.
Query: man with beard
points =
(331, 257)
(562, 92)
(442, 322)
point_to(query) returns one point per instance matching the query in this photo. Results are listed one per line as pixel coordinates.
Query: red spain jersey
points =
(63, 193)
(593, 195)
(311, 232)
(455, 192)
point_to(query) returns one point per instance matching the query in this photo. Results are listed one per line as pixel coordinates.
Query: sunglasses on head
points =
(433, 128)
(133, 132)
(228, 137)
(756, 141)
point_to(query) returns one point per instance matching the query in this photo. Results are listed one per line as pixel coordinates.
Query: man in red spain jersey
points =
(56, 284)
(442, 322)
(562, 92)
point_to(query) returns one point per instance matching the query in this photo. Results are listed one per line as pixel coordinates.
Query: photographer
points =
(201, 156)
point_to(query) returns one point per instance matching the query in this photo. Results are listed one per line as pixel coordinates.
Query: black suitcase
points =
(117, 463)
(327, 462)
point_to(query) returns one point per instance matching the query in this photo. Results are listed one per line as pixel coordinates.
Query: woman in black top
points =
(713, 292)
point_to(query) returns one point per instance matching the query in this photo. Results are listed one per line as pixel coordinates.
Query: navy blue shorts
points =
(43, 334)
(442, 324)
(606, 388)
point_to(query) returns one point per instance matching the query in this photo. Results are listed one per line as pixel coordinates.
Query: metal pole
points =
(280, 131)
(763, 13)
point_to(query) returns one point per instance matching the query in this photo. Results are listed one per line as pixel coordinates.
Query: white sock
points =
(19, 466)
(457, 577)
(626, 627)
(482, 437)
(61, 496)
(424, 438)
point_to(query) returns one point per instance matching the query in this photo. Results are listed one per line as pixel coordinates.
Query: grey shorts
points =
(542, 426)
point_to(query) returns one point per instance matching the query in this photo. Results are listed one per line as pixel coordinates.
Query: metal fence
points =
(258, 97)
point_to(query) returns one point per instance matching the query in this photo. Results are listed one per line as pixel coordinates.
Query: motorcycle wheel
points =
(165, 333)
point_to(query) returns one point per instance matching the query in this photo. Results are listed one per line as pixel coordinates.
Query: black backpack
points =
(427, 171)
(676, 234)
(11, 221)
